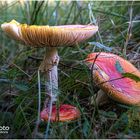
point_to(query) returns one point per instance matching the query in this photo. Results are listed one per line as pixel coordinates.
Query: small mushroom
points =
(111, 81)
(64, 113)
(49, 37)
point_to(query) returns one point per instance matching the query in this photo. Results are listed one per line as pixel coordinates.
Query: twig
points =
(36, 58)
(36, 12)
(21, 70)
(110, 80)
(92, 69)
(129, 31)
(39, 106)
(60, 63)
(50, 107)
(65, 65)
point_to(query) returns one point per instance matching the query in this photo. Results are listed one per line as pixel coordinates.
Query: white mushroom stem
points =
(101, 98)
(49, 66)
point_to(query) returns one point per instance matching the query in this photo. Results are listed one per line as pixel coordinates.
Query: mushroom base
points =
(102, 98)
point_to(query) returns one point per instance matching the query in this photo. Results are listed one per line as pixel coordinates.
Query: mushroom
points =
(64, 113)
(49, 37)
(111, 81)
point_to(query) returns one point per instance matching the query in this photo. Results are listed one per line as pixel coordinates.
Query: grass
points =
(118, 29)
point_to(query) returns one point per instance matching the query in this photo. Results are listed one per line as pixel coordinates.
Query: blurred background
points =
(119, 30)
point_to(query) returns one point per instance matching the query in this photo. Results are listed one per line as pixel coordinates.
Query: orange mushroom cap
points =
(110, 80)
(51, 36)
(65, 113)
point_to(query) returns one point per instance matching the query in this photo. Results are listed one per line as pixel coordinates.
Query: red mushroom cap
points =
(65, 113)
(123, 90)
